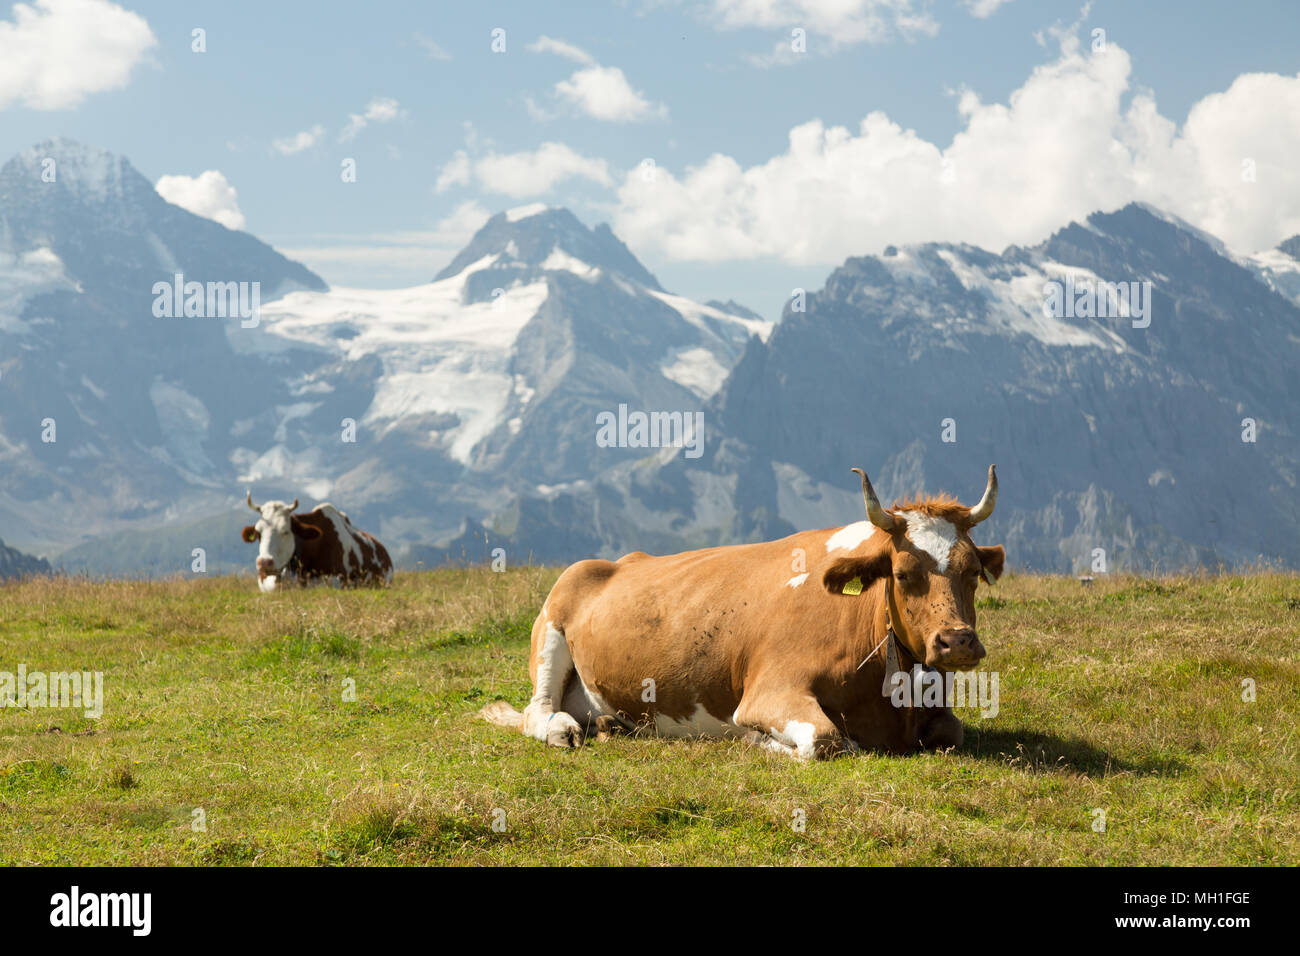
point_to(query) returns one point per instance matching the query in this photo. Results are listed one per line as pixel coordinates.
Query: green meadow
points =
(327, 727)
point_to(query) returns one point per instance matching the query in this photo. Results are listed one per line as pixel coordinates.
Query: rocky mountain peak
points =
(61, 170)
(529, 240)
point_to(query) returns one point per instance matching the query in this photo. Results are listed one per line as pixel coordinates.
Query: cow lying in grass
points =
(791, 644)
(318, 546)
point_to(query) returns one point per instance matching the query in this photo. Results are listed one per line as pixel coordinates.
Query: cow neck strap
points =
(892, 661)
(889, 635)
(897, 645)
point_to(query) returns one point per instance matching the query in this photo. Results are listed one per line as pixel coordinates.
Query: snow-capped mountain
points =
(537, 316)
(1161, 431)
(1154, 421)
(110, 416)
(1280, 268)
(416, 408)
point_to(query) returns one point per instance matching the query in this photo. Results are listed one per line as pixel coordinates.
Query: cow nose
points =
(959, 639)
(265, 564)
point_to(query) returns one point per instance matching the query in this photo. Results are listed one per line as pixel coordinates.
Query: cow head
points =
(923, 553)
(278, 532)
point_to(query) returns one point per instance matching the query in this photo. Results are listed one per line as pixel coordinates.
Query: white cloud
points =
(308, 138)
(545, 44)
(983, 9)
(842, 22)
(56, 52)
(525, 173)
(431, 47)
(455, 172)
(458, 228)
(207, 195)
(379, 110)
(537, 172)
(601, 92)
(604, 93)
(538, 112)
(782, 54)
(1063, 146)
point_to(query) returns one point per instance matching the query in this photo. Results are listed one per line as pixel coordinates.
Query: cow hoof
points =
(943, 733)
(606, 727)
(563, 731)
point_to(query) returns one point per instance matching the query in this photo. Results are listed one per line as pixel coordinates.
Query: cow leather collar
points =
(893, 646)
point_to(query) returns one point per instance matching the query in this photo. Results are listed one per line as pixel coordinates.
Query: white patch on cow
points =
(797, 580)
(850, 536)
(267, 584)
(934, 536)
(699, 724)
(554, 665)
(770, 743)
(797, 734)
(351, 557)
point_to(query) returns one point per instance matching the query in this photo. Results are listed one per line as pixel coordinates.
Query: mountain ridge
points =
(1100, 429)
(464, 411)
(16, 564)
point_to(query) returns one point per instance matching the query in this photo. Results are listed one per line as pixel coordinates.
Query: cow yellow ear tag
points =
(853, 587)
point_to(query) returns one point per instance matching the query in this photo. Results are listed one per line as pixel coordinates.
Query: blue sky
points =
(951, 155)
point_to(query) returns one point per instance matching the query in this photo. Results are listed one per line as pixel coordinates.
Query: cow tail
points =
(503, 715)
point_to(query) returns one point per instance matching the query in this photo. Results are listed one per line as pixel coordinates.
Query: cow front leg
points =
(943, 730)
(790, 723)
(543, 720)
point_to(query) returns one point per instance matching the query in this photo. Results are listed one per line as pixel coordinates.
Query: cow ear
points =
(853, 574)
(992, 560)
(249, 533)
(305, 531)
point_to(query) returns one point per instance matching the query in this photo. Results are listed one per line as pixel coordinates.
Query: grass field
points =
(1125, 697)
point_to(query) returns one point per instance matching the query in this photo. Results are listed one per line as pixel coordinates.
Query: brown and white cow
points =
(790, 643)
(321, 545)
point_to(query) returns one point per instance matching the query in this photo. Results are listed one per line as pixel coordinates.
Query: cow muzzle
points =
(265, 566)
(954, 649)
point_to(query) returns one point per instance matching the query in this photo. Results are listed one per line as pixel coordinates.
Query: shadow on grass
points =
(1046, 753)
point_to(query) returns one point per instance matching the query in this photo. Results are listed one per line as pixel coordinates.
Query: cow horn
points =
(294, 506)
(249, 499)
(881, 518)
(985, 507)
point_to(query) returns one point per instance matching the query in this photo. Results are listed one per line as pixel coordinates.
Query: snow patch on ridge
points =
(439, 353)
(1277, 270)
(697, 369)
(24, 276)
(526, 212)
(696, 314)
(1016, 303)
(561, 261)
